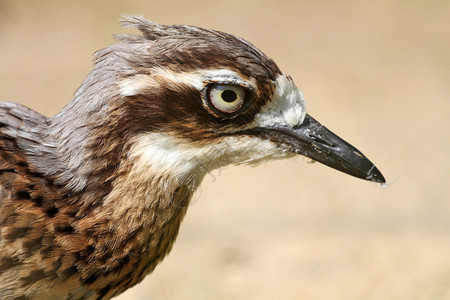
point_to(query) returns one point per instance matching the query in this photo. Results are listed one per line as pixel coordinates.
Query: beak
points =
(315, 141)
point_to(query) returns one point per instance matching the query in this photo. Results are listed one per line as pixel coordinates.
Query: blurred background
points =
(377, 73)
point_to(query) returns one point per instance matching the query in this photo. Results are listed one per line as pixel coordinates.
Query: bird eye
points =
(226, 98)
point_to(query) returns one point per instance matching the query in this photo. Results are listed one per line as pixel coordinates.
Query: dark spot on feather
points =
(71, 214)
(45, 252)
(86, 252)
(16, 233)
(35, 174)
(51, 211)
(22, 164)
(23, 195)
(65, 274)
(119, 264)
(101, 293)
(57, 264)
(32, 245)
(91, 279)
(37, 201)
(65, 229)
(8, 262)
(34, 276)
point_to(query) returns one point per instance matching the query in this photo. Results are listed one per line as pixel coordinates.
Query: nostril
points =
(322, 141)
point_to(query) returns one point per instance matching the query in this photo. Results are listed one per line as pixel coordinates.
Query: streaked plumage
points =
(91, 199)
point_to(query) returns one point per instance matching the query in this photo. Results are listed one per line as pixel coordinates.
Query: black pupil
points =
(228, 96)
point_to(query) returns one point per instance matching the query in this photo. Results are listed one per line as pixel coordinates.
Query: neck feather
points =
(126, 214)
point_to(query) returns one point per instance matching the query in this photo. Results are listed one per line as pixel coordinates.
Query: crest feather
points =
(150, 30)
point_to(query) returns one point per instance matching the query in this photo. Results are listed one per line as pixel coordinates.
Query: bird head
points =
(187, 100)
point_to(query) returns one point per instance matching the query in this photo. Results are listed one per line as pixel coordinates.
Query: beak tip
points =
(375, 175)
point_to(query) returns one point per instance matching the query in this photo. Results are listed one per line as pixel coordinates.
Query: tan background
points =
(377, 73)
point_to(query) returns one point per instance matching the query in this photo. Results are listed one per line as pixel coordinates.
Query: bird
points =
(91, 199)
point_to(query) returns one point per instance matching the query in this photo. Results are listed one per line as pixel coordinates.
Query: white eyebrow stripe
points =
(140, 83)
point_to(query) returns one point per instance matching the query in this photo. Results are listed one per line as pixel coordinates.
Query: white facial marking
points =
(138, 84)
(287, 107)
(164, 153)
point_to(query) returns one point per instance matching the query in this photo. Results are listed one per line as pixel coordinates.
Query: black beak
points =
(315, 141)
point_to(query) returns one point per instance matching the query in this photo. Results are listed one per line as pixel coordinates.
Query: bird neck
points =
(128, 223)
(144, 211)
(126, 212)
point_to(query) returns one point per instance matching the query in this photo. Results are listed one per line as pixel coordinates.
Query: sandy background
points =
(377, 74)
